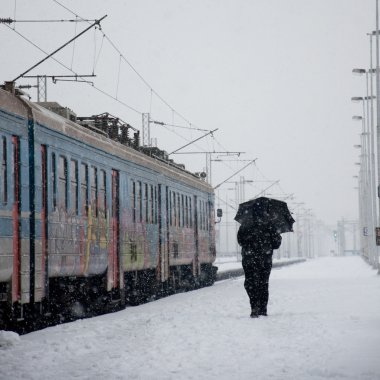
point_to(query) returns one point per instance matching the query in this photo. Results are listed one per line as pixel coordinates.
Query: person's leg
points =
(264, 285)
(251, 283)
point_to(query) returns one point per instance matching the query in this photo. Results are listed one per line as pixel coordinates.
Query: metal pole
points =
(97, 22)
(368, 175)
(373, 163)
(377, 99)
(227, 230)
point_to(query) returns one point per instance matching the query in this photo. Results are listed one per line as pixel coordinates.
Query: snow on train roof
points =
(49, 119)
(12, 104)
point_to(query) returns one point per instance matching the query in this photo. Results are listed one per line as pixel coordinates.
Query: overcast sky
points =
(273, 75)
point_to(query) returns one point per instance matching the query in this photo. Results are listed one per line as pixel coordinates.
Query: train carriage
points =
(89, 220)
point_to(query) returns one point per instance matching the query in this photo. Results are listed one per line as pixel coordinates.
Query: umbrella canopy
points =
(266, 211)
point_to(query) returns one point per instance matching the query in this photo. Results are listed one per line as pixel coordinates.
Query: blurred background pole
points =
(365, 172)
(377, 99)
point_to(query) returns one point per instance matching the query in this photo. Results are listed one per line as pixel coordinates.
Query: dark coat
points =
(258, 242)
(258, 238)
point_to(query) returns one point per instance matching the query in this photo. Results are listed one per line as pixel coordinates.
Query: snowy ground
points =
(323, 323)
(230, 263)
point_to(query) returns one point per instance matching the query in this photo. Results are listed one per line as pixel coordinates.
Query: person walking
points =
(258, 240)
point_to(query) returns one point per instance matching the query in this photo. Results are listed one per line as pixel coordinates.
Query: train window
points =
(172, 202)
(74, 186)
(133, 251)
(84, 188)
(206, 216)
(187, 211)
(4, 171)
(201, 216)
(152, 205)
(169, 207)
(175, 250)
(209, 214)
(94, 190)
(146, 202)
(183, 210)
(155, 205)
(139, 201)
(54, 179)
(175, 213)
(179, 210)
(133, 201)
(102, 193)
(62, 182)
(172, 209)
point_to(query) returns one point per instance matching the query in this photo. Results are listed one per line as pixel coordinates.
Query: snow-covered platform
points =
(323, 323)
(231, 267)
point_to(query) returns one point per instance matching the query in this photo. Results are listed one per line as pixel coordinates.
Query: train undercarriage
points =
(72, 298)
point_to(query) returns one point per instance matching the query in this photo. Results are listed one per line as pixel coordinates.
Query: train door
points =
(114, 254)
(196, 237)
(163, 231)
(44, 234)
(16, 212)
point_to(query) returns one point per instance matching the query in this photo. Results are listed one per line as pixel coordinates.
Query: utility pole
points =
(146, 129)
(41, 88)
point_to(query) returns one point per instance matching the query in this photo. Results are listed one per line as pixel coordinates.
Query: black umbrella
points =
(266, 211)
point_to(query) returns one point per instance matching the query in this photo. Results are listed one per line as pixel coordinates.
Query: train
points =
(90, 220)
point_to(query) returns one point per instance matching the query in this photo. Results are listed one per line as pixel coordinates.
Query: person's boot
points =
(263, 312)
(254, 313)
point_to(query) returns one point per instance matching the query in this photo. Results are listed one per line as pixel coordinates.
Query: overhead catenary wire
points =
(66, 67)
(178, 126)
(150, 87)
(72, 56)
(97, 22)
(146, 83)
(193, 141)
(39, 21)
(9, 20)
(97, 55)
(118, 78)
(121, 57)
(233, 175)
(14, 13)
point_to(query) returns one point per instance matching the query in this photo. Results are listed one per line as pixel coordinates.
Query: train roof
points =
(17, 105)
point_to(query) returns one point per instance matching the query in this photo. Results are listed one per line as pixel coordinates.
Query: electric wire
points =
(100, 50)
(14, 14)
(131, 66)
(43, 21)
(121, 57)
(72, 57)
(118, 78)
(67, 68)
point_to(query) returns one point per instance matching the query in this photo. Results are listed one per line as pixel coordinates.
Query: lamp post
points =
(371, 151)
(363, 215)
(367, 171)
(377, 106)
(357, 177)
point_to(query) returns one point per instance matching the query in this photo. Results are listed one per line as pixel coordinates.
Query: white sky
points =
(273, 75)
